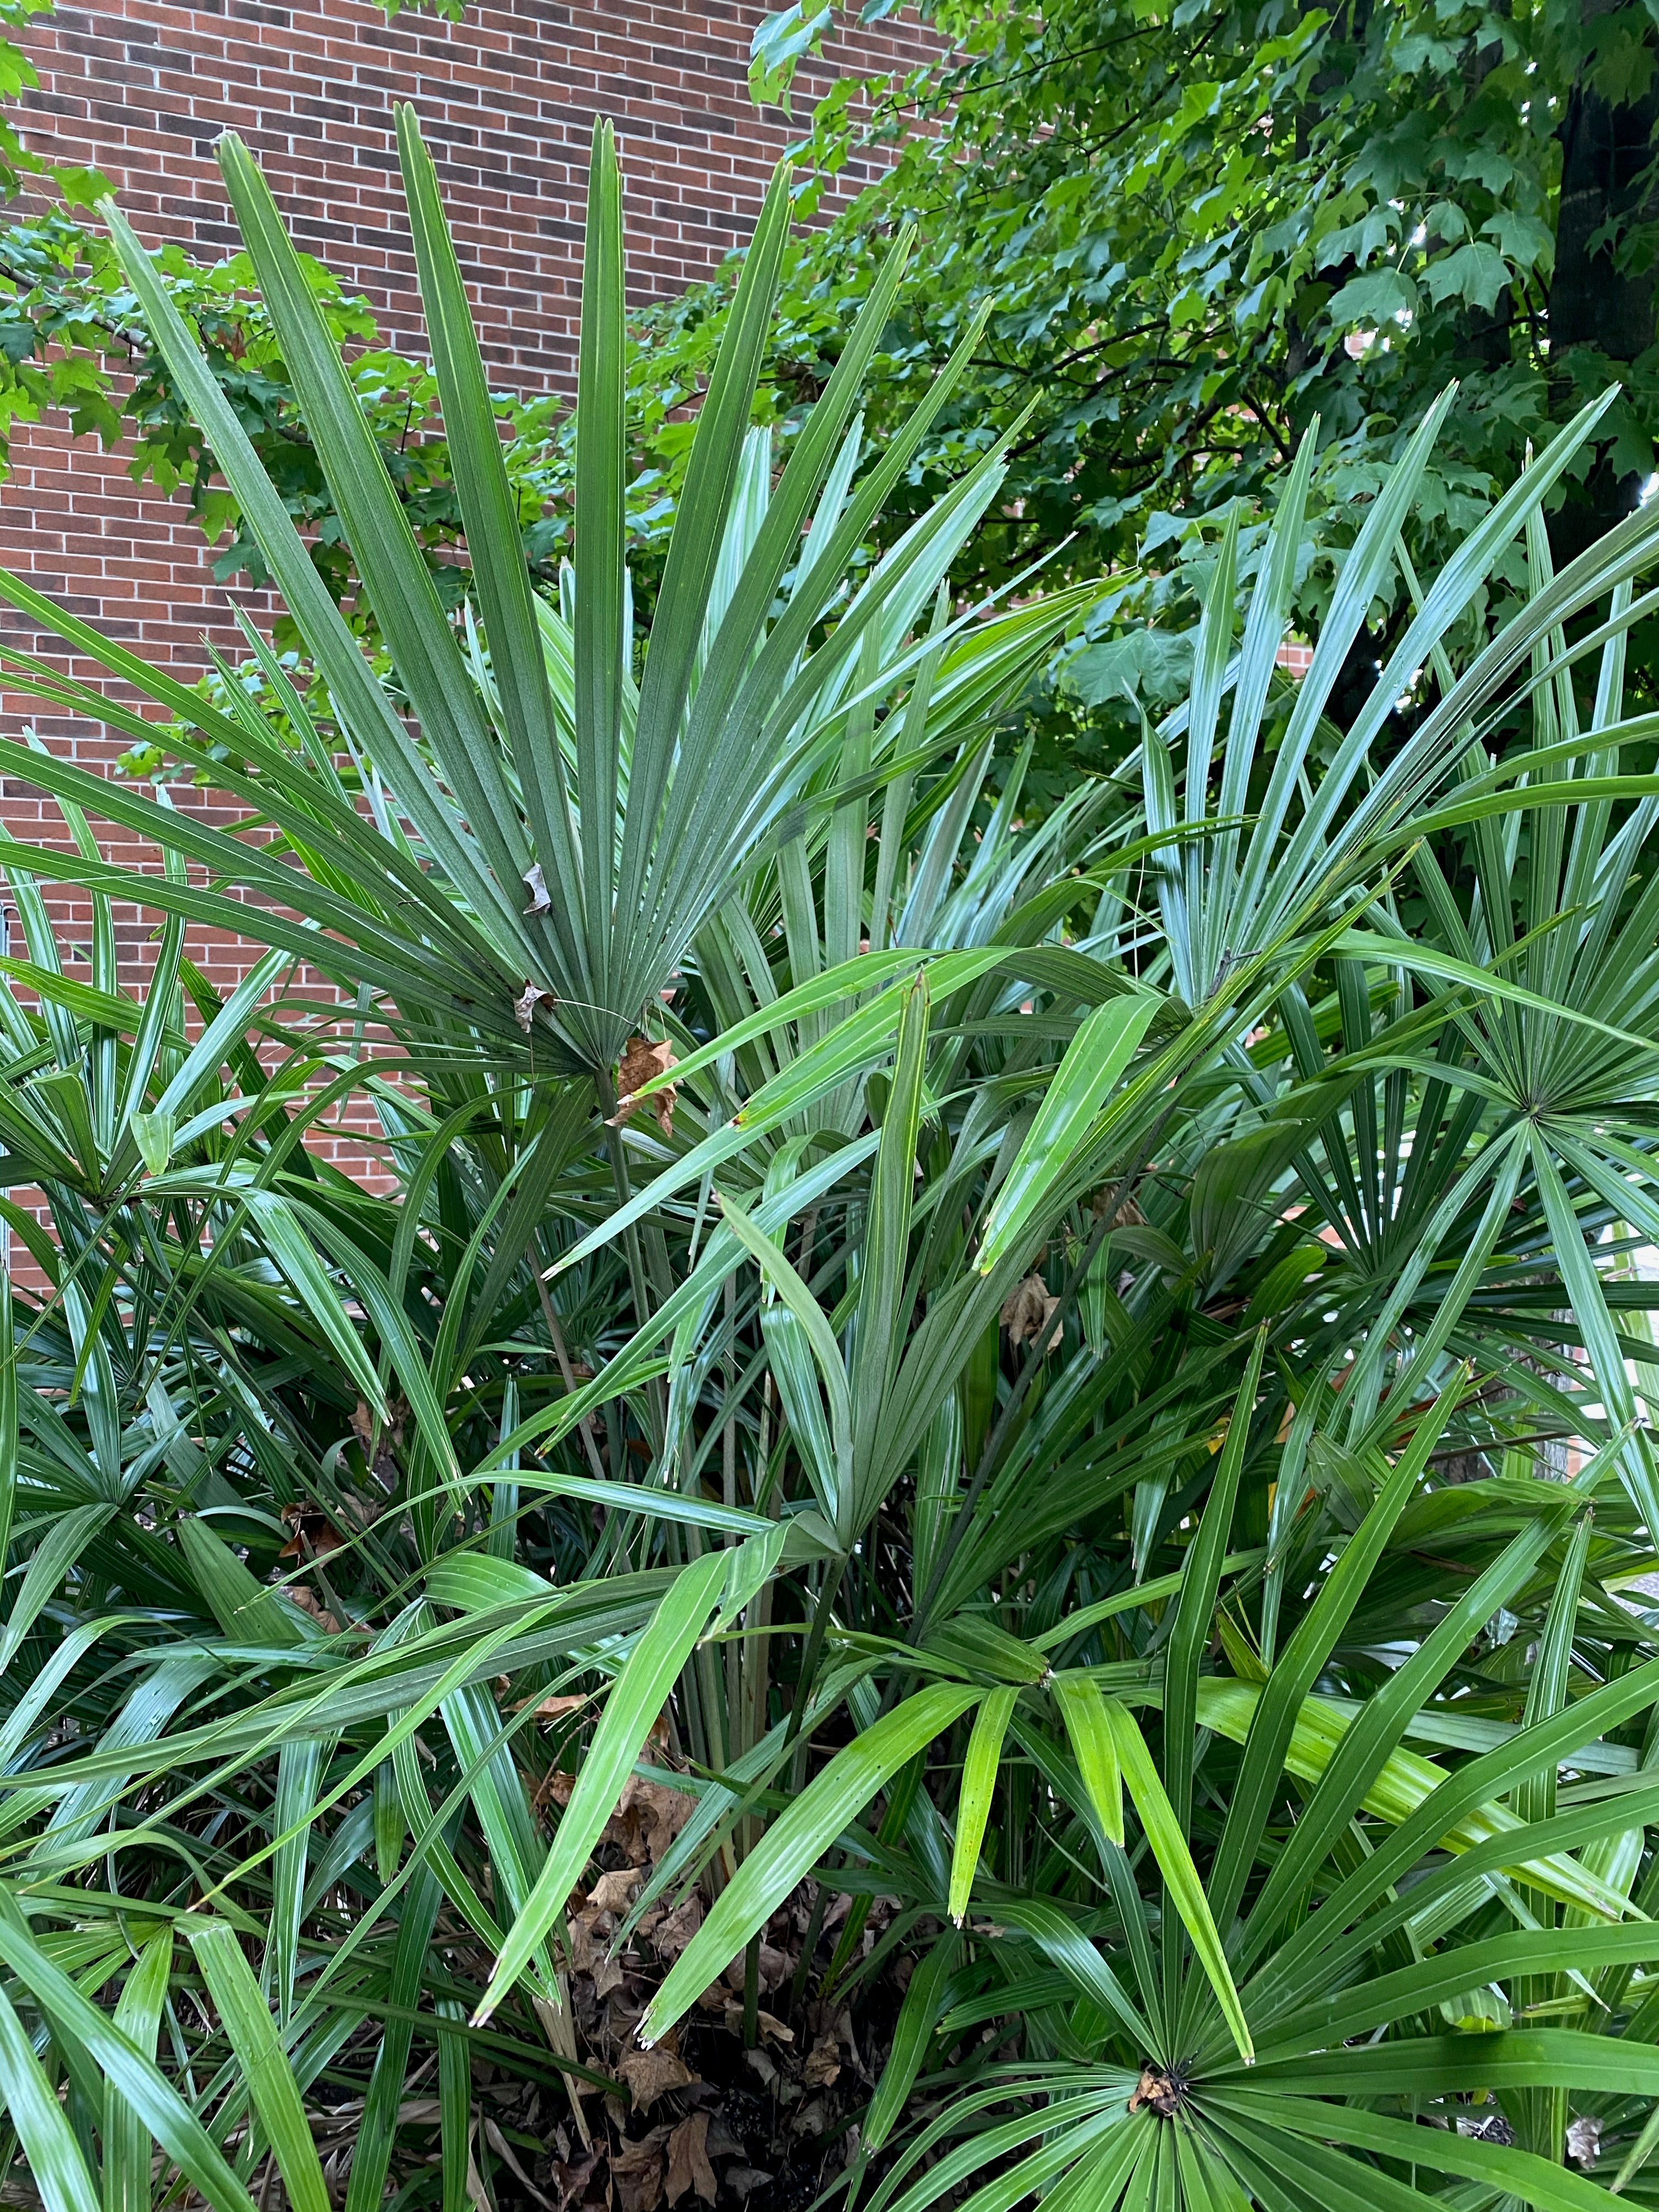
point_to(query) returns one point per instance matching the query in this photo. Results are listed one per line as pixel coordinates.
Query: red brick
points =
(139, 88)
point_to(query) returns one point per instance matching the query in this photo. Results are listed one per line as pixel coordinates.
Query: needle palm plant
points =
(1035, 1418)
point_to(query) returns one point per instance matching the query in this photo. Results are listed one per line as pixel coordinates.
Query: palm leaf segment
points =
(543, 836)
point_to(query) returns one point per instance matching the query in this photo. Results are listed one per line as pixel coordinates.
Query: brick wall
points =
(506, 99)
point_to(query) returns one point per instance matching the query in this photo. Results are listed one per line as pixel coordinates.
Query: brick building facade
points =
(506, 96)
(506, 99)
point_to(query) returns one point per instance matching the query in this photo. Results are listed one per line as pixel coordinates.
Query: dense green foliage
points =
(1197, 229)
(1026, 1437)
(1202, 227)
(1205, 227)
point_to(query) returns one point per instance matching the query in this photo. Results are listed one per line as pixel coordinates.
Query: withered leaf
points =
(688, 2160)
(308, 1601)
(554, 1708)
(525, 1006)
(613, 1892)
(1027, 1311)
(641, 1064)
(823, 2063)
(652, 2074)
(1583, 2145)
(670, 1935)
(589, 1936)
(637, 2171)
(314, 1535)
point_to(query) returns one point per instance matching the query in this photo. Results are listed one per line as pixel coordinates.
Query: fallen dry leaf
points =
(535, 883)
(571, 2178)
(475, 2188)
(670, 1935)
(640, 1063)
(554, 1709)
(722, 2144)
(1161, 2091)
(767, 2023)
(613, 1892)
(688, 2160)
(638, 2171)
(308, 1601)
(774, 1969)
(823, 2063)
(314, 1535)
(504, 2150)
(589, 1934)
(1028, 1310)
(746, 2180)
(652, 2074)
(648, 1816)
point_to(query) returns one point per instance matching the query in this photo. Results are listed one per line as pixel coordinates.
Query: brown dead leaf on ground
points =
(553, 1709)
(699, 2123)
(652, 2074)
(570, 2177)
(639, 2172)
(589, 1936)
(649, 1813)
(509, 2158)
(672, 1931)
(592, 1931)
(775, 1968)
(1126, 1213)
(770, 2026)
(688, 2160)
(745, 2180)
(823, 2063)
(381, 1440)
(648, 1817)
(613, 1892)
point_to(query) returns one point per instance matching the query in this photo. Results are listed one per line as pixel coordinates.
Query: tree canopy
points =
(1202, 230)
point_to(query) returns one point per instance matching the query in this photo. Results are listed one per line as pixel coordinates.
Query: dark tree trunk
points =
(1607, 155)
